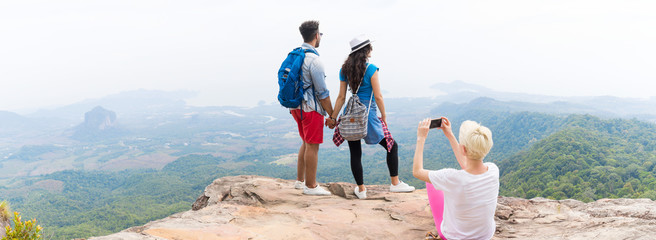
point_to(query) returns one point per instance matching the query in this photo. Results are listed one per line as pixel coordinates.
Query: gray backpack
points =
(353, 122)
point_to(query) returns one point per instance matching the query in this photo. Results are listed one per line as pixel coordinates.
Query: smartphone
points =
(435, 123)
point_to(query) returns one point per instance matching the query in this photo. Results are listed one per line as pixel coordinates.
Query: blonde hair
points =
(477, 139)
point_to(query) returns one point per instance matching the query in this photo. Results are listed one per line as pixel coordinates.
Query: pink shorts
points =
(310, 128)
(436, 202)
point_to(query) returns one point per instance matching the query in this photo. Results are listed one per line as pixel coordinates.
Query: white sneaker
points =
(299, 185)
(360, 195)
(401, 187)
(315, 191)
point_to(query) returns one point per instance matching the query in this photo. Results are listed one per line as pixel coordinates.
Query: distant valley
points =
(142, 155)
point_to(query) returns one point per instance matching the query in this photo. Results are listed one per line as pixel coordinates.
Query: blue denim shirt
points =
(313, 74)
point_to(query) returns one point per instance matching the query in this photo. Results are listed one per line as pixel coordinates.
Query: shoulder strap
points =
(311, 50)
(372, 90)
(365, 74)
(305, 51)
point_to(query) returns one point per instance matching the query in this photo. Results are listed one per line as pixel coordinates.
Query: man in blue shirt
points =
(316, 104)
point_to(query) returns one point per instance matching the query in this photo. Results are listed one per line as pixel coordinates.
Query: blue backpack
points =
(290, 93)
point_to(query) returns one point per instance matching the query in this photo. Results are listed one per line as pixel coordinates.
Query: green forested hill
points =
(94, 203)
(588, 159)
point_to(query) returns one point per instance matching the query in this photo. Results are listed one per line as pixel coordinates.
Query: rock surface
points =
(99, 123)
(99, 119)
(253, 207)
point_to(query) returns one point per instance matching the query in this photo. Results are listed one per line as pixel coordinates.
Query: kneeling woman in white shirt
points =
(470, 194)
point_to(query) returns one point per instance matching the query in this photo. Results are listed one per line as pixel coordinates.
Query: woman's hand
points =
(446, 126)
(422, 129)
(384, 120)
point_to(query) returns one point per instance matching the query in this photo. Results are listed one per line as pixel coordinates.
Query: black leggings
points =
(355, 148)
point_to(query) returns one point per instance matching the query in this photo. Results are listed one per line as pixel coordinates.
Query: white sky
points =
(59, 52)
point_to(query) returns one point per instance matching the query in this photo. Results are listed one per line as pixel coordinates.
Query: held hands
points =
(331, 123)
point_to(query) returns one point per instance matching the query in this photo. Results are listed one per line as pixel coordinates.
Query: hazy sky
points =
(59, 52)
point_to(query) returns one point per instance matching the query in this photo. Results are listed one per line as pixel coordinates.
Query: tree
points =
(4, 218)
(27, 230)
(626, 191)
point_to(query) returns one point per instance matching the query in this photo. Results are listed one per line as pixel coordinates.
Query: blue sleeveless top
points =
(374, 125)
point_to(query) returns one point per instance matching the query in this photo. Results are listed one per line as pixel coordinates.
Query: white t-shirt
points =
(469, 202)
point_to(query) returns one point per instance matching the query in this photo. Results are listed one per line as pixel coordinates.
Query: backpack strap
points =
(365, 74)
(311, 50)
(372, 90)
(305, 51)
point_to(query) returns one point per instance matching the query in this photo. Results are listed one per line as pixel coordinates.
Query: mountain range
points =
(161, 153)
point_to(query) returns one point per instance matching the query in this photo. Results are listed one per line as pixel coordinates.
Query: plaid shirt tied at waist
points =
(338, 140)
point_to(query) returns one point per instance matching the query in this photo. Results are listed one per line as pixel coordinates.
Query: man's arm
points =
(319, 82)
(327, 105)
(341, 97)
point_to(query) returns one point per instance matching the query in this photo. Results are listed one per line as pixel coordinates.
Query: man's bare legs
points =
(311, 158)
(300, 169)
(308, 156)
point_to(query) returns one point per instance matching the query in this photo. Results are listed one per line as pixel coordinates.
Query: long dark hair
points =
(355, 66)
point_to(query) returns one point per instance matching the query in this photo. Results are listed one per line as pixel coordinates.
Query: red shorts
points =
(311, 127)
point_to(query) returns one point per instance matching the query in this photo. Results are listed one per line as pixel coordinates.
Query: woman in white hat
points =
(362, 78)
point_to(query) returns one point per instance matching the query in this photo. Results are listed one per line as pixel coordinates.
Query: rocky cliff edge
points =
(255, 207)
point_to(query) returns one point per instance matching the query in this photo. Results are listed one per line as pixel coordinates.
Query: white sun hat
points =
(359, 42)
